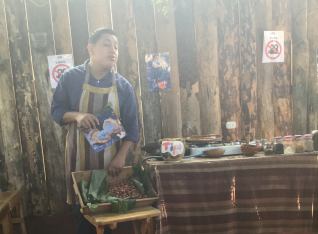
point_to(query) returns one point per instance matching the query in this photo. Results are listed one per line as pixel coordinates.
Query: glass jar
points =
(268, 148)
(289, 145)
(298, 141)
(278, 145)
(308, 143)
(315, 139)
(263, 142)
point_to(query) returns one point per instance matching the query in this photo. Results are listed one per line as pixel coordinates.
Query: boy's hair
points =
(95, 36)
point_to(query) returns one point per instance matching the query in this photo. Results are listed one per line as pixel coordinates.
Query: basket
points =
(106, 207)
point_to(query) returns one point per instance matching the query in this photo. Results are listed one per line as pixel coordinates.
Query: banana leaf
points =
(107, 198)
(143, 176)
(83, 188)
(151, 194)
(139, 186)
(93, 207)
(123, 205)
(115, 206)
(98, 186)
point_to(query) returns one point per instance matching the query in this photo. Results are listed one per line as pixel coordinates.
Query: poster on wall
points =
(58, 64)
(273, 47)
(158, 71)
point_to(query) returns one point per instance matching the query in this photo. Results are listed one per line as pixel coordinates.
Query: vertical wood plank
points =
(312, 78)
(125, 28)
(189, 79)
(265, 72)
(205, 23)
(11, 166)
(53, 136)
(166, 42)
(282, 84)
(146, 44)
(98, 14)
(79, 30)
(248, 72)
(51, 132)
(229, 68)
(26, 99)
(300, 65)
(61, 26)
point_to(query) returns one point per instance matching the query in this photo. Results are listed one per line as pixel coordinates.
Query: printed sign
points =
(58, 64)
(173, 147)
(158, 71)
(273, 48)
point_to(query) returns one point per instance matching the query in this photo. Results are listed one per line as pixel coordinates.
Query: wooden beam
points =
(124, 25)
(282, 84)
(229, 68)
(79, 30)
(300, 50)
(312, 77)
(248, 72)
(205, 24)
(187, 59)
(265, 72)
(98, 14)
(146, 44)
(166, 42)
(11, 166)
(206, 35)
(36, 194)
(53, 136)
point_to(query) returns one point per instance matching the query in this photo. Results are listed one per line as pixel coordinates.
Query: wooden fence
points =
(217, 76)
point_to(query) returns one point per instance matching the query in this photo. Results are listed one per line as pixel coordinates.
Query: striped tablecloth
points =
(237, 194)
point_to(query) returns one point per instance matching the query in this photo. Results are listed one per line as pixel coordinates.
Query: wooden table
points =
(141, 214)
(13, 200)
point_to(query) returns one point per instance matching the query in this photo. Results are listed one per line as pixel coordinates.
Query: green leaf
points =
(151, 194)
(98, 186)
(115, 206)
(139, 186)
(93, 207)
(83, 188)
(107, 198)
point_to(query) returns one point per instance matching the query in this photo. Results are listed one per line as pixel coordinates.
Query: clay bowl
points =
(249, 150)
(215, 153)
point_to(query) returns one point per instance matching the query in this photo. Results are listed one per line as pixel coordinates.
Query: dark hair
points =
(95, 36)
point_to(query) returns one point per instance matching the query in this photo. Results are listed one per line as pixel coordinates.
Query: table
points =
(260, 194)
(5, 218)
(142, 214)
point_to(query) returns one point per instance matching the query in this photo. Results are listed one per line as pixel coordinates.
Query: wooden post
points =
(248, 72)
(166, 42)
(98, 14)
(229, 68)
(187, 59)
(124, 25)
(300, 65)
(37, 201)
(146, 44)
(282, 87)
(79, 30)
(265, 112)
(11, 166)
(205, 24)
(312, 14)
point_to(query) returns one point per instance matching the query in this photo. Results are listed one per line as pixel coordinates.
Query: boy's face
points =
(105, 51)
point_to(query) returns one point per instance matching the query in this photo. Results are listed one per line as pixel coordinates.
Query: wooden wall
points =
(216, 69)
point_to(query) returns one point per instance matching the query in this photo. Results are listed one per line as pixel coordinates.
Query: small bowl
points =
(249, 150)
(215, 153)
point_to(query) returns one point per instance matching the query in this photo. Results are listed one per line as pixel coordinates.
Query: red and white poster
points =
(273, 48)
(58, 64)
